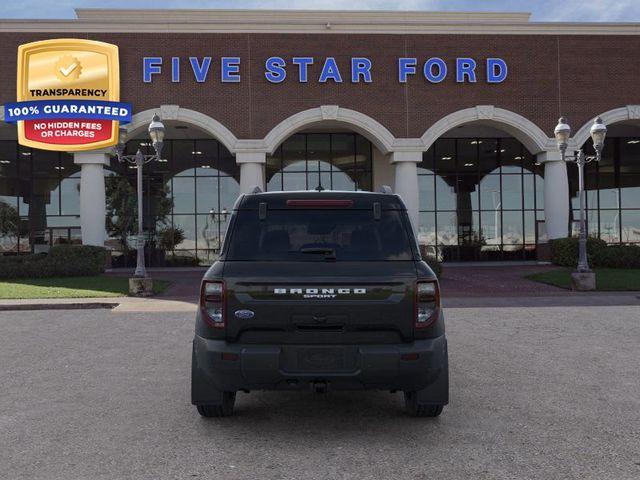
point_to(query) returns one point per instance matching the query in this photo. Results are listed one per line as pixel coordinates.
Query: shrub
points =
(431, 260)
(170, 237)
(564, 252)
(61, 261)
(182, 261)
(434, 264)
(618, 256)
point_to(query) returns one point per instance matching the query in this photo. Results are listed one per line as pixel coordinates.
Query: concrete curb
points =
(57, 306)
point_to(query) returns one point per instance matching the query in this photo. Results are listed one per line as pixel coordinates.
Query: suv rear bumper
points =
(421, 365)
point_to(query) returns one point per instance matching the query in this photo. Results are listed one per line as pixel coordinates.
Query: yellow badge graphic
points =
(68, 94)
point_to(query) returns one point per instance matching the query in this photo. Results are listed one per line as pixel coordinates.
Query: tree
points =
(122, 208)
(169, 237)
(10, 225)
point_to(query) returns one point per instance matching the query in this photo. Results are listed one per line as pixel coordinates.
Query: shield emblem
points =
(68, 70)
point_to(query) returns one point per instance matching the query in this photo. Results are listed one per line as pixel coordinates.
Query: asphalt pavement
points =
(536, 392)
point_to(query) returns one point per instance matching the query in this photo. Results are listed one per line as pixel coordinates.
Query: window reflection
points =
(630, 221)
(612, 191)
(200, 180)
(331, 161)
(479, 199)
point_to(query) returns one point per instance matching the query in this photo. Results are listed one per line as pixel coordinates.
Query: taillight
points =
(212, 297)
(427, 303)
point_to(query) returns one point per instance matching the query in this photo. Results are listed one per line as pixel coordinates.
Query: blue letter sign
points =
(275, 69)
(323, 70)
(496, 70)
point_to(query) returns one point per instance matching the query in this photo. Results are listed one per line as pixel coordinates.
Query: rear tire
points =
(417, 409)
(222, 409)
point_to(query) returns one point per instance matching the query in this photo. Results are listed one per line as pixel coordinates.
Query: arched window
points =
(480, 199)
(612, 189)
(331, 161)
(192, 189)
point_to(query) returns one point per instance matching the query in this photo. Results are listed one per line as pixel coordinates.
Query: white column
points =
(406, 181)
(93, 208)
(556, 195)
(251, 170)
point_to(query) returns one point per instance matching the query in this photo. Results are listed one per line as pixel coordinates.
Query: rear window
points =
(319, 235)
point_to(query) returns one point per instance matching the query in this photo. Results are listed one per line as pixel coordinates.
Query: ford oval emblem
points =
(244, 314)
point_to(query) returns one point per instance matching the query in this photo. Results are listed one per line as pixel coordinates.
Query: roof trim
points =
(286, 15)
(311, 21)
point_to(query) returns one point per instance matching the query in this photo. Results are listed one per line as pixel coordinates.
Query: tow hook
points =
(319, 387)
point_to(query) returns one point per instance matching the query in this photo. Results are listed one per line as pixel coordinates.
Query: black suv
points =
(321, 290)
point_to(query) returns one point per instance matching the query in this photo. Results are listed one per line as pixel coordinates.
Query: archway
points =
(190, 192)
(481, 187)
(327, 116)
(328, 147)
(521, 128)
(171, 114)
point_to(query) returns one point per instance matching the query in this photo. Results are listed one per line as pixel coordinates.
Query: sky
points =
(542, 10)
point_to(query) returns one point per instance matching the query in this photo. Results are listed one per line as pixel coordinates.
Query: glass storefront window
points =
(332, 161)
(468, 187)
(630, 190)
(511, 155)
(487, 195)
(512, 228)
(530, 228)
(200, 181)
(426, 191)
(207, 193)
(8, 159)
(612, 191)
(512, 192)
(182, 157)
(183, 194)
(609, 225)
(445, 195)
(630, 224)
(490, 193)
(427, 229)
(70, 195)
(447, 233)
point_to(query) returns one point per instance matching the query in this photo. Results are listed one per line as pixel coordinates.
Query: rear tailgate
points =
(320, 303)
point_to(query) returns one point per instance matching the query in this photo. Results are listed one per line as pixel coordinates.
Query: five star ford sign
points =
(68, 95)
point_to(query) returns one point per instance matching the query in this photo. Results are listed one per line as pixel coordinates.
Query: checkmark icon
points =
(66, 71)
(68, 68)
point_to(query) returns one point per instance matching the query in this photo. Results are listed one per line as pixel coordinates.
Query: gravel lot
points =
(546, 392)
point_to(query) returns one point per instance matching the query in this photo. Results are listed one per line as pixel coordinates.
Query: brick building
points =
(455, 111)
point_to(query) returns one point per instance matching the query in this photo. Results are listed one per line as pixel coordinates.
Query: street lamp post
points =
(156, 133)
(583, 278)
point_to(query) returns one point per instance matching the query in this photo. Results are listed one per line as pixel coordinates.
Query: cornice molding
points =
(310, 21)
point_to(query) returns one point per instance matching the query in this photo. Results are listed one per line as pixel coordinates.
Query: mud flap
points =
(202, 390)
(437, 393)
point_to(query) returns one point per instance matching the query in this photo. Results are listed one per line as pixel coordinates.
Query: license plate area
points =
(315, 359)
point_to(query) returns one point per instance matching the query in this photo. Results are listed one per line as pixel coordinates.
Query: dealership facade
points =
(454, 111)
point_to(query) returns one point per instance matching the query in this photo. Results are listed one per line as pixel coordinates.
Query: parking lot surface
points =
(536, 392)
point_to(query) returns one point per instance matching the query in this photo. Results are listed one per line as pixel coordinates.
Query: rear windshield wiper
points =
(329, 253)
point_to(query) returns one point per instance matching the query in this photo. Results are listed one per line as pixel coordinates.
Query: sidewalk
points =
(117, 304)
(463, 286)
(495, 280)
